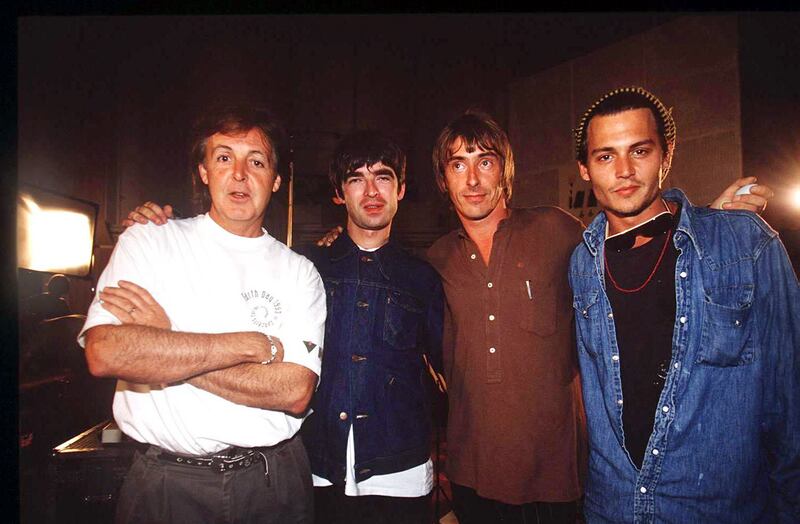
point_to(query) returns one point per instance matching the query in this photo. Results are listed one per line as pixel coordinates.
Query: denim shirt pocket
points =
(589, 318)
(404, 314)
(726, 339)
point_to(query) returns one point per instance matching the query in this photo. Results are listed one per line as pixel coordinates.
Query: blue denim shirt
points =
(384, 312)
(725, 445)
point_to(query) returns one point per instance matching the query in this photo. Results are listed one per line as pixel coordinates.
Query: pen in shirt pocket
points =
(528, 287)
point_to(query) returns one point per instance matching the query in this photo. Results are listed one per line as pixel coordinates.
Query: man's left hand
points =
(756, 201)
(330, 236)
(149, 212)
(133, 304)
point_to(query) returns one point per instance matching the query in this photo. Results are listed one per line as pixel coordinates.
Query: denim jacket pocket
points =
(404, 314)
(589, 318)
(407, 414)
(726, 339)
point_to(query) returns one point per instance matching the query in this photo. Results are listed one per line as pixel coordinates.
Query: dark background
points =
(104, 105)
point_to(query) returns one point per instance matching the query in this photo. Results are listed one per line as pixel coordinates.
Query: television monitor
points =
(55, 233)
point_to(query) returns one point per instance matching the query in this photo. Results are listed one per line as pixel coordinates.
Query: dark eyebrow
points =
(485, 154)
(228, 148)
(383, 171)
(377, 172)
(601, 150)
(647, 142)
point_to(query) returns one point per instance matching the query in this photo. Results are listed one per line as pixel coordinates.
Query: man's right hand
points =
(148, 212)
(330, 236)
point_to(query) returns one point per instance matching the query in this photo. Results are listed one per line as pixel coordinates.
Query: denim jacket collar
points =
(594, 236)
(384, 256)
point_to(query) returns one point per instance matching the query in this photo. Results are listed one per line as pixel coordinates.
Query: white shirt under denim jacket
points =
(371, 426)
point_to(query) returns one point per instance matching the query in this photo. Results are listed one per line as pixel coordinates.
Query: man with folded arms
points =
(214, 330)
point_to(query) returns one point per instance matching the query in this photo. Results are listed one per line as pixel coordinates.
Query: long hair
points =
(476, 130)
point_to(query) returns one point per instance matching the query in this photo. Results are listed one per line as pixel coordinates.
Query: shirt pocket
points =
(404, 313)
(589, 318)
(727, 332)
(537, 307)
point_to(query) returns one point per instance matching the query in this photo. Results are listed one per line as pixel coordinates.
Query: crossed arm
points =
(144, 349)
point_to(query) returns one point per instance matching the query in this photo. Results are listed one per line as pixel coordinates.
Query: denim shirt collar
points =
(385, 256)
(594, 236)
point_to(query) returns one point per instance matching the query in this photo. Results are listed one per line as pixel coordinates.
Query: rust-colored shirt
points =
(516, 426)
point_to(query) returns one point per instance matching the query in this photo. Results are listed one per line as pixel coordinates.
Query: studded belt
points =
(227, 460)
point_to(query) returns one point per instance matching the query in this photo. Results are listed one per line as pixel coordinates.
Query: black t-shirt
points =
(644, 322)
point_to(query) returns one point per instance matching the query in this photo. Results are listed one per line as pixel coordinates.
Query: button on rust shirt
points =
(516, 426)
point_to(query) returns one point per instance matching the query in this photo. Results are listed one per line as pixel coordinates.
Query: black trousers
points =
(332, 506)
(155, 491)
(471, 508)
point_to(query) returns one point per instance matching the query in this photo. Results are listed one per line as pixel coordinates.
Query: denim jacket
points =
(725, 445)
(384, 312)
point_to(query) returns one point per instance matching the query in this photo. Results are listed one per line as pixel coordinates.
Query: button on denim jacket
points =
(384, 312)
(725, 445)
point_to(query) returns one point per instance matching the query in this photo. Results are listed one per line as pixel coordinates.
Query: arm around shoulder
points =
(564, 223)
(779, 332)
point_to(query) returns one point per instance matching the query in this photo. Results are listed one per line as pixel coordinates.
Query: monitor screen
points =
(55, 233)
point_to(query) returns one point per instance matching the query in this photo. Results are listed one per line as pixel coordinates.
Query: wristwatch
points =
(273, 351)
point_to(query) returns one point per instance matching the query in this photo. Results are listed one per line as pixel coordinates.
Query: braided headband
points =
(663, 112)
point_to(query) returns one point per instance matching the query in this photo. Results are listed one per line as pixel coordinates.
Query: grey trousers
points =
(155, 491)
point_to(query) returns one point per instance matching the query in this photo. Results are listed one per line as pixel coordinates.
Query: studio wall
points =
(691, 63)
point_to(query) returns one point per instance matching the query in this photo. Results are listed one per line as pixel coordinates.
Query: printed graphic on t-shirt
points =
(310, 346)
(265, 308)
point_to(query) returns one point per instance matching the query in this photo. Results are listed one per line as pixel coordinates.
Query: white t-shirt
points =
(211, 281)
(412, 482)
